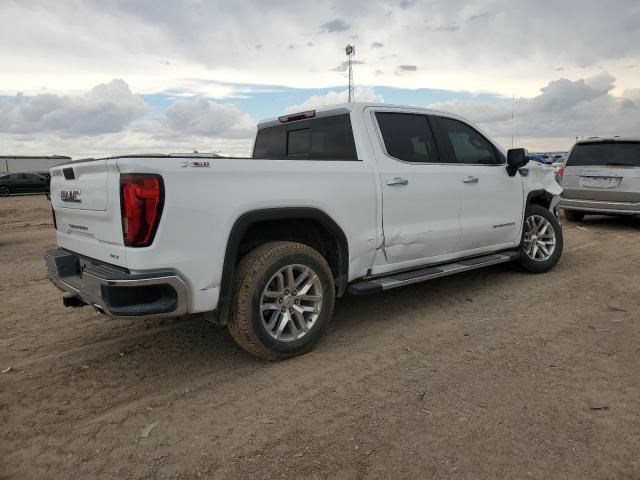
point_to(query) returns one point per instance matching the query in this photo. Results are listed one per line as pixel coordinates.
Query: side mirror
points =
(516, 159)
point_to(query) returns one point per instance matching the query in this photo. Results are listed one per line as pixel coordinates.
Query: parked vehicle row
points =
(358, 198)
(548, 158)
(541, 158)
(11, 183)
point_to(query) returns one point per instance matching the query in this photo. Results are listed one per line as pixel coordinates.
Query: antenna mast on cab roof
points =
(350, 51)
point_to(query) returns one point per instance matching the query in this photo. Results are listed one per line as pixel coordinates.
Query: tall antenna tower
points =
(350, 51)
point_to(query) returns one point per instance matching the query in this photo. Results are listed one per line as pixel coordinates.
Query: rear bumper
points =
(117, 292)
(600, 206)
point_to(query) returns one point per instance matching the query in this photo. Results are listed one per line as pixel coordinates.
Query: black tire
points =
(573, 215)
(535, 265)
(254, 273)
(4, 191)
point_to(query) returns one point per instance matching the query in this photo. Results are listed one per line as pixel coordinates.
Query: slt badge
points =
(196, 164)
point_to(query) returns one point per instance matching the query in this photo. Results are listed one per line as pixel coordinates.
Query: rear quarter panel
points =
(203, 203)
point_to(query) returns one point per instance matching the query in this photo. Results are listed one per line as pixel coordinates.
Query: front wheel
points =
(282, 300)
(4, 191)
(541, 244)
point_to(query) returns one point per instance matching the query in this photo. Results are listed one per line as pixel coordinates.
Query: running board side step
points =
(414, 276)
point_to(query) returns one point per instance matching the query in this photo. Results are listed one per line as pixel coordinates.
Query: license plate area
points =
(600, 182)
(67, 265)
(83, 263)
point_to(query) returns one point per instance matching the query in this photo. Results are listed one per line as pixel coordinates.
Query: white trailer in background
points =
(30, 163)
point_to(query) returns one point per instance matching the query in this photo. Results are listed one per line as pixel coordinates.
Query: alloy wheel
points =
(290, 303)
(539, 238)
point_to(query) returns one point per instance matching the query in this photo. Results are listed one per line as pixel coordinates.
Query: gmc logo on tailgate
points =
(70, 196)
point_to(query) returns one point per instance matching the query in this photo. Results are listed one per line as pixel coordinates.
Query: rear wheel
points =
(4, 191)
(542, 243)
(573, 215)
(283, 300)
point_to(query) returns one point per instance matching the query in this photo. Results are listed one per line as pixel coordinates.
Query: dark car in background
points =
(601, 176)
(26, 182)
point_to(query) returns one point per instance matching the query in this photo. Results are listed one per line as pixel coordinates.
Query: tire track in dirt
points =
(99, 345)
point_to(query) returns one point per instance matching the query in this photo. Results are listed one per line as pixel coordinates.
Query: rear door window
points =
(324, 138)
(408, 137)
(603, 154)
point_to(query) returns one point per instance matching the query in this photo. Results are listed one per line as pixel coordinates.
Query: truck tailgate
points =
(85, 198)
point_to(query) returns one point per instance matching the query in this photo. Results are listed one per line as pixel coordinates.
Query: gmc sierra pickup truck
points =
(356, 198)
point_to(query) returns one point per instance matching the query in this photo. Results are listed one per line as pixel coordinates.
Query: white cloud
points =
(362, 94)
(125, 142)
(107, 120)
(474, 46)
(105, 108)
(563, 110)
(632, 94)
(199, 116)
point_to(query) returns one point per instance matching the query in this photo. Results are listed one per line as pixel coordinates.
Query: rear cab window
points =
(605, 154)
(323, 138)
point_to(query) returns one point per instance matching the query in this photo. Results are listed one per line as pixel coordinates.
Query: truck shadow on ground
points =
(604, 222)
(197, 344)
(122, 365)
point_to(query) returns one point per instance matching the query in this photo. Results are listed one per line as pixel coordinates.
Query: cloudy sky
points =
(89, 78)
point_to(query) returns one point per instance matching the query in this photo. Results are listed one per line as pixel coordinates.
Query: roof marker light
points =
(297, 116)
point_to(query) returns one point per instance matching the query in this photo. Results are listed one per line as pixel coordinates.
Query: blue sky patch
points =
(264, 101)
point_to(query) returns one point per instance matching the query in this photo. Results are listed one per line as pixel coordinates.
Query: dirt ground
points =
(492, 374)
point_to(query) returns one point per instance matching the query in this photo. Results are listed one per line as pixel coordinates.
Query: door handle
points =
(470, 179)
(398, 181)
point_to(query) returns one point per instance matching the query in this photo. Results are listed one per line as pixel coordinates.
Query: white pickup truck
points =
(355, 198)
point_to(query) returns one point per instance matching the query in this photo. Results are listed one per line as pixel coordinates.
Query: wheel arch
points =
(540, 197)
(263, 218)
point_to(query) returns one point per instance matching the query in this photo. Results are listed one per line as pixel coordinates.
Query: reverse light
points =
(141, 202)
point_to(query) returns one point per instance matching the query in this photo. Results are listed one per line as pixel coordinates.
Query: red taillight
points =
(141, 201)
(559, 175)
